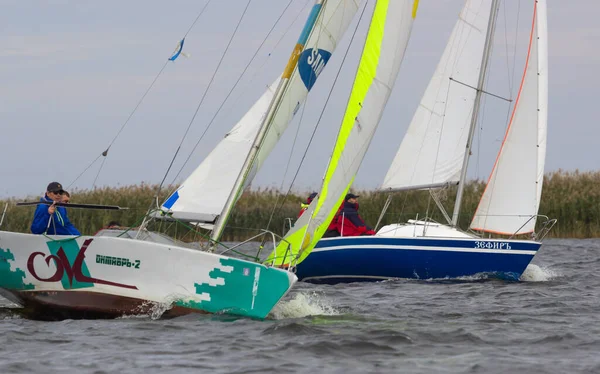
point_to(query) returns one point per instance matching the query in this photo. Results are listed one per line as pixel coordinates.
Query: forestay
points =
(203, 197)
(512, 195)
(432, 150)
(383, 51)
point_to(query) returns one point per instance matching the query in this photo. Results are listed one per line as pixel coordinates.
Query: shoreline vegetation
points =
(571, 197)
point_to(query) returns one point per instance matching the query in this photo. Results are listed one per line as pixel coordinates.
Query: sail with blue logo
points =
(208, 195)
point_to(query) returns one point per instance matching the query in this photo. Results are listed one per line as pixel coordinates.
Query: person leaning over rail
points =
(52, 219)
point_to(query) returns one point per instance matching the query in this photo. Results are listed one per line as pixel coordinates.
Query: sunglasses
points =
(58, 192)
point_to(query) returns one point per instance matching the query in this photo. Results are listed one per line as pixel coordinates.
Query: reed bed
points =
(571, 197)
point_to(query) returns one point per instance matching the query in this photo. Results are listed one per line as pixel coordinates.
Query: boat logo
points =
(73, 271)
(311, 64)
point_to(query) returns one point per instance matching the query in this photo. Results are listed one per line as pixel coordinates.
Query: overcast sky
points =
(72, 71)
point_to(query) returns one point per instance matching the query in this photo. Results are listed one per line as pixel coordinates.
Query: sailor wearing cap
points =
(52, 219)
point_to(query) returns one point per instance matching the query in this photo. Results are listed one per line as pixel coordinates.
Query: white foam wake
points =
(303, 304)
(534, 273)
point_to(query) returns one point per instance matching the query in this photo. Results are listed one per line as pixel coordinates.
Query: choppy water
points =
(547, 323)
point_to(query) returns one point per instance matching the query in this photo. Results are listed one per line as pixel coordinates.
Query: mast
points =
(266, 123)
(482, 75)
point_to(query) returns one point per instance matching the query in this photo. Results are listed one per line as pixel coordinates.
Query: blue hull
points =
(372, 258)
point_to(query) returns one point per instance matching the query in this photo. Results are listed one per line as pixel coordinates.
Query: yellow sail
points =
(383, 51)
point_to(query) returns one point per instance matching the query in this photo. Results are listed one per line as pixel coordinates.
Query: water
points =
(547, 323)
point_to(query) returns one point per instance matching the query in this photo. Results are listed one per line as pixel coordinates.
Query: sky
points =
(71, 73)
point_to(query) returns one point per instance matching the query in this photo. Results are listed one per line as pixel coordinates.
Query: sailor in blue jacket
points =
(51, 219)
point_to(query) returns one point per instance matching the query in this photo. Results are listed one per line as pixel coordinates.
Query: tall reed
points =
(571, 197)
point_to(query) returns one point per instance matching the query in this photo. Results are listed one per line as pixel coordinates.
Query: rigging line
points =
(84, 170)
(260, 68)
(324, 106)
(98, 174)
(155, 79)
(105, 152)
(281, 38)
(289, 161)
(230, 92)
(203, 97)
(196, 20)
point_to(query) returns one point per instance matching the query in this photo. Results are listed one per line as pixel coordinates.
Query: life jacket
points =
(348, 222)
(334, 222)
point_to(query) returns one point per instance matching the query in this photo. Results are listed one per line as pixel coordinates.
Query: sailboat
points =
(117, 273)
(434, 154)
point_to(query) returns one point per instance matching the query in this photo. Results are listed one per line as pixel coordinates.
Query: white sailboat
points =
(103, 276)
(435, 152)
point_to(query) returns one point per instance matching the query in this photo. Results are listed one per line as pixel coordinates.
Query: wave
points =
(303, 304)
(535, 273)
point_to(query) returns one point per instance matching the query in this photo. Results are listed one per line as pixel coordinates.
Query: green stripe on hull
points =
(11, 279)
(246, 289)
(71, 250)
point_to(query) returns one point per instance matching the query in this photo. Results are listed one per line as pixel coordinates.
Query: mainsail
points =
(383, 51)
(432, 150)
(513, 192)
(209, 194)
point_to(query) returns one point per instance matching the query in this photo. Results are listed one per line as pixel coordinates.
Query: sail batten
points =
(510, 202)
(383, 51)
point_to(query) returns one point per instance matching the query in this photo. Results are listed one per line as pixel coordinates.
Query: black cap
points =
(350, 196)
(55, 187)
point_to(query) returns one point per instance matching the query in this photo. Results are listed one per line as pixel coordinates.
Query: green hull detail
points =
(250, 290)
(71, 250)
(11, 279)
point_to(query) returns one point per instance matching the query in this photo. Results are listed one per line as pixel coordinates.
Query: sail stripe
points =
(308, 27)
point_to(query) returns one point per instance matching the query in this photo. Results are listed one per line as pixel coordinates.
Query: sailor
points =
(66, 197)
(305, 205)
(52, 219)
(349, 222)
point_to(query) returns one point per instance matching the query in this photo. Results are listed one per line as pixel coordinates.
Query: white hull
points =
(113, 276)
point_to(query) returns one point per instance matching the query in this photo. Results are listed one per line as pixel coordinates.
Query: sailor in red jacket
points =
(305, 205)
(349, 222)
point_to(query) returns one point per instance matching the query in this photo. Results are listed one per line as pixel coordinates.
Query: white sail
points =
(514, 189)
(382, 55)
(337, 15)
(203, 197)
(432, 150)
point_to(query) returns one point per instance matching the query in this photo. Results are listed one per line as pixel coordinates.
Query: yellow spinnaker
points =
(375, 75)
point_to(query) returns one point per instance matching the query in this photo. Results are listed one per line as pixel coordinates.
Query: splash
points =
(303, 304)
(534, 273)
